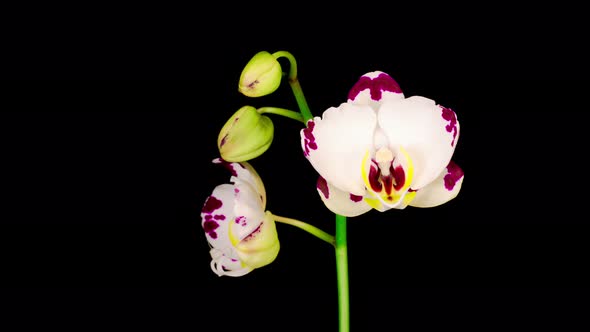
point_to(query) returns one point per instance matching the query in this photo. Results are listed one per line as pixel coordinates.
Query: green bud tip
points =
(261, 76)
(246, 135)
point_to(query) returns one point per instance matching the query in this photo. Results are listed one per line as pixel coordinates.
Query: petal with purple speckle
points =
(417, 124)
(248, 208)
(373, 89)
(342, 136)
(341, 202)
(246, 173)
(444, 188)
(220, 203)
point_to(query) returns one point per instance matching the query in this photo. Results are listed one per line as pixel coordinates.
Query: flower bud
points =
(261, 247)
(261, 76)
(246, 135)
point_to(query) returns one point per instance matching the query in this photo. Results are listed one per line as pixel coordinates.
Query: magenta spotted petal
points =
(242, 236)
(340, 202)
(381, 150)
(341, 137)
(422, 127)
(444, 188)
(373, 89)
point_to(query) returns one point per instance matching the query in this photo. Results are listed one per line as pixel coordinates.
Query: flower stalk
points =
(340, 244)
(295, 86)
(306, 227)
(281, 111)
(342, 274)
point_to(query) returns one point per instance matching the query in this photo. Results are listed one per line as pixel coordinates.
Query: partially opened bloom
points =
(380, 150)
(242, 236)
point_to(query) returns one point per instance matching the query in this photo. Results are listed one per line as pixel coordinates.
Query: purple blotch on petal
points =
(211, 204)
(309, 139)
(399, 175)
(376, 86)
(229, 166)
(209, 227)
(355, 198)
(322, 185)
(374, 177)
(253, 234)
(241, 220)
(219, 217)
(454, 174)
(450, 116)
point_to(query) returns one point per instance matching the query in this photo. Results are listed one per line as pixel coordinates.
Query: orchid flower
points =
(380, 150)
(242, 236)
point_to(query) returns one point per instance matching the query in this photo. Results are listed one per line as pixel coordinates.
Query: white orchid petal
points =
(443, 189)
(373, 89)
(335, 144)
(226, 262)
(340, 202)
(244, 171)
(248, 209)
(238, 272)
(216, 214)
(427, 131)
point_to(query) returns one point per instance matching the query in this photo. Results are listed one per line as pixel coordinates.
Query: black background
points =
(109, 125)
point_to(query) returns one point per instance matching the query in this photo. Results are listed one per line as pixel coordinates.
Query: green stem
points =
(295, 86)
(342, 274)
(340, 238)
(306, 227)
(281, 111)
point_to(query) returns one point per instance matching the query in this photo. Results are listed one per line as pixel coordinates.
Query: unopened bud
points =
(261, 76)
(246, 135)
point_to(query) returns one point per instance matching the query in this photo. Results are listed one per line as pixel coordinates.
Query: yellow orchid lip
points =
(387, 177)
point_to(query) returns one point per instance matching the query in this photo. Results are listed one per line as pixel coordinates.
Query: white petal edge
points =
(222, 264)
(342, 136)
(219, 236)
(443, 189)
(417, 124)
(248, 210)
(244, 171)
(341, 202)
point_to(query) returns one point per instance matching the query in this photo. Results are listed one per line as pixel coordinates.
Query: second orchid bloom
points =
(380, 150)
(241, 234)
